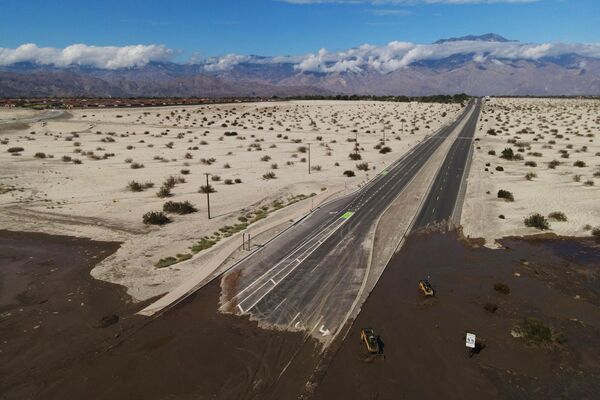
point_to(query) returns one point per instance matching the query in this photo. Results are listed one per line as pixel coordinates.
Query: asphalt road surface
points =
(311, 277)
(444, 193)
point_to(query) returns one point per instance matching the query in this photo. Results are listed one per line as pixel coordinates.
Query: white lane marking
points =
(296, 250)
(323, 331)
(241, 309)
(317, 324)
(273, 282)
(308, 253)
(280, 303)
(293, 319)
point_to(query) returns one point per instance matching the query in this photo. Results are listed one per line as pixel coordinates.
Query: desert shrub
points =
(506, 195)
(499, 168)
(66, 158)
(557, 216)
(576, 178)
(185, 172)
(501, 288)
(136, 165)
(15, 149)
(491, 153)
(265, 158)
(207, 161)
(203, 244)
(536, 331)
(302, 149)
(537, 221)
(228, 181)
(227, 165)
(530, 175)
(589, 182)
(206, 189)
(269, 175)
(40, 155)
(182, 207)
(148, 185)
(155, 218)
(76, 161)
(355, 156)
(349, 173)
(596, 232)
(553, 164)
(135, 186)
(230, 133)
(215, 178)
(579, 164)
(385, 150)
(508, 153)
(362, 166)
(274, 166)
(168, 261)
(316, 168)
(530, 164)
(128, 160)
(163, 192)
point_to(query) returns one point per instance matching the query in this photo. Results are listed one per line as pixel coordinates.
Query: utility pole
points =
(207, 195)
(309, 158)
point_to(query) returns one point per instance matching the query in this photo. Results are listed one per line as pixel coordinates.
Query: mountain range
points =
(477, 65)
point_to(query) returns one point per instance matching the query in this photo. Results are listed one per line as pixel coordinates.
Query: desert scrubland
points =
(535, 156)
(96, 172)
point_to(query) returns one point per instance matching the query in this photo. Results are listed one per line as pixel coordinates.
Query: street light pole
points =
(207, 195)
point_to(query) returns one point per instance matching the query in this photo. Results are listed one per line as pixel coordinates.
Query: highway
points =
(441, 202)
(311, 277)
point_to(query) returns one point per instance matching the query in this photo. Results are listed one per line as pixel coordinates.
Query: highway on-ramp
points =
(310, 278)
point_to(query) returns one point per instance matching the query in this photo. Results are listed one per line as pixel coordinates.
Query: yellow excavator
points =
(426, 288)
(370, 340)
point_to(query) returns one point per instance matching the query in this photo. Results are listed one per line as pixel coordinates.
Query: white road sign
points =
(470, 340)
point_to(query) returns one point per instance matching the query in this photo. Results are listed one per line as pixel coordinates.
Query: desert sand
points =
(72, 175)
(555, 168)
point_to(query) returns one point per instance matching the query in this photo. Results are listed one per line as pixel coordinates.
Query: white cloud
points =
(109, 57)
(397, 55)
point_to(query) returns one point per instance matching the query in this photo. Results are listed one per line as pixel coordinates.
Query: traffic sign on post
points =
(470, 342)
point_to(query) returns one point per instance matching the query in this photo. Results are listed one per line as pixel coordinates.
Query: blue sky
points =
(279, 27)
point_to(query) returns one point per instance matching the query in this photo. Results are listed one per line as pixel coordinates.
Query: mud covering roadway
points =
(309, 279)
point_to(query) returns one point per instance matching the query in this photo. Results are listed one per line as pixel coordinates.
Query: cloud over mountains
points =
(107, 57)
(479, 65)
(384, 59)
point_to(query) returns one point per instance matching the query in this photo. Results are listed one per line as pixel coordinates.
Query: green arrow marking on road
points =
(347, 214)
(384, 172)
